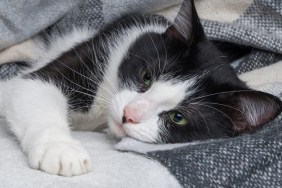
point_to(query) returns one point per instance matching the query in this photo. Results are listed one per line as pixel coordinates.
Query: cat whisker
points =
(203, 117)
(83, 93)
(98, 66)
(159, 60)
(91, 71)
(84, 62)
(152, 71)
(102, 99)
(106, 78)
(223, 105)
(74, 71)
(92, 96)
(83, 102)
(91, 52)
(224, 92)
(217, 111)
(151, 64)
(79, 108)
(74, 82)
(110, 81)
(164, 132)
(140, 58)
(87, 105)
(166, 55)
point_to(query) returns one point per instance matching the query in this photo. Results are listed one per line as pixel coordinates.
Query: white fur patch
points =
(162, 96)
(62, 158)
(37, 114)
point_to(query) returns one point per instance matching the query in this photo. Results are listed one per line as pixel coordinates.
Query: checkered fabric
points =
(259, 27)
(247, 161)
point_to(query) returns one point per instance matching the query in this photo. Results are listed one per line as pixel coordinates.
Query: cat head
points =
(174, 87)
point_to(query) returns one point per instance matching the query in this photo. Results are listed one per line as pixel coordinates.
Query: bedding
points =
(251, 160)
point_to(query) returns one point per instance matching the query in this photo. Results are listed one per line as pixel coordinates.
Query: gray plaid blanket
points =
(246, 161)
(250, 160)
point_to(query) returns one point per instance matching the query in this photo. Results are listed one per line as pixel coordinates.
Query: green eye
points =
(178, 118)
(146, 77)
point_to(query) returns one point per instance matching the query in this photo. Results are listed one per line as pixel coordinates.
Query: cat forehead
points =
(152, 51)
(164, 95)
(153, 42)
(174, 88)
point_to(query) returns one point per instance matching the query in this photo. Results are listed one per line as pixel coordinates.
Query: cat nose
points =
(135, 111)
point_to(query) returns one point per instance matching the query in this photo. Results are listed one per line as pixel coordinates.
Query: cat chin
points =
(139, 131)
(116, 128)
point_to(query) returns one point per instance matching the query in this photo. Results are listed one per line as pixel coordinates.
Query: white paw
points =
(61, 158)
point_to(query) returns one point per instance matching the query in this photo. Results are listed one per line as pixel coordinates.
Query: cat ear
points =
(186, 26)
(251, 109)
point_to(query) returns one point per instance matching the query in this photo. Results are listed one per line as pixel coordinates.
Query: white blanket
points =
(111, 168)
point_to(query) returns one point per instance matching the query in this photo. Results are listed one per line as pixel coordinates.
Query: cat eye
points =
(146, 77)
(178, 118)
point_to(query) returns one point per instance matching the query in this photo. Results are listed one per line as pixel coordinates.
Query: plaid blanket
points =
(246, 161)
(250, 160)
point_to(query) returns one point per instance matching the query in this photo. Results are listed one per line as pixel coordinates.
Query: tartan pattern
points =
(259, 27)
(257, 59)
(248, 161)
(7, 71)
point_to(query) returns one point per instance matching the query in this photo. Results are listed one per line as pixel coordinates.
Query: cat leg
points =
(37, 113)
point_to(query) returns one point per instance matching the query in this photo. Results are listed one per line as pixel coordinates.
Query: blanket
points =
(246, 161)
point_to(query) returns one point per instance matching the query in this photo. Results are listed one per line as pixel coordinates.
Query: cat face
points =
(174, 87)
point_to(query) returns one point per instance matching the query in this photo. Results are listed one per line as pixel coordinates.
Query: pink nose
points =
(135, 111)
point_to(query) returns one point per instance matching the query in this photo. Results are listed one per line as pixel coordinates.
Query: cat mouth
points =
(119, 129)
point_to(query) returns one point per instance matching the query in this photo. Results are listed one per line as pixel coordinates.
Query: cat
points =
(142, 76)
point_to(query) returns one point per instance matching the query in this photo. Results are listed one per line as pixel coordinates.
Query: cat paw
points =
(60, 158)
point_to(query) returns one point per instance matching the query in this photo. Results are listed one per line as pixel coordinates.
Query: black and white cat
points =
(141, 76)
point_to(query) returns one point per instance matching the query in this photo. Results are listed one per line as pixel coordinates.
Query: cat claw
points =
(60, 158)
